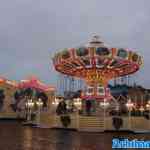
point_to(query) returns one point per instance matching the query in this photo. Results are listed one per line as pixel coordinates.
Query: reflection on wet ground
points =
(14, 136)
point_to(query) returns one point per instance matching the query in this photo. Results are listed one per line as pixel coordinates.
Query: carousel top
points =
(96, 41)
(96, 61)
(33, 82)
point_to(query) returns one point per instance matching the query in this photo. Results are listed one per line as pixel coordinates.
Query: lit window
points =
(100, 90)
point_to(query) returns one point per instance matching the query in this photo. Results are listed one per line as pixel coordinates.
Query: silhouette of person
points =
(88, 107)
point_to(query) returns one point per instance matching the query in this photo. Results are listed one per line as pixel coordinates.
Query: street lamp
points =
(129, 105)
(105, 105)
(117, 107)
(39, 104)
(56, 101)
(29, 106)
(78, 103)
(141, 110)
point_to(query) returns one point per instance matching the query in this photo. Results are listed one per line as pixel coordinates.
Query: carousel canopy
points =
(35, 83)
(95, 62)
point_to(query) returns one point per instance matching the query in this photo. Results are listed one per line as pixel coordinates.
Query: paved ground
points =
(14, 136)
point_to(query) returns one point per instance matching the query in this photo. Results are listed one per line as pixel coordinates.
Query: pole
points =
(28, 117)
(29, 114)
(129, 119)
(104, 114)
(39, 113)
(28, 111)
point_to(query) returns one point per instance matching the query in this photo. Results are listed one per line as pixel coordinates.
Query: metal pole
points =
(104, 114)
(129, 119)
(28, 117)
(38, 115)
(29, 113)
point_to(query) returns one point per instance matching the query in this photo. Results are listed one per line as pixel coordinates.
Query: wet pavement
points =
(14, 136)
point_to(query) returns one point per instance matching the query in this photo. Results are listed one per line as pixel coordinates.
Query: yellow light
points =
(129, 104)
(141, 109)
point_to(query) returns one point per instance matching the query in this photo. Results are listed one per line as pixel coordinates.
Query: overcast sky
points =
(32, 30)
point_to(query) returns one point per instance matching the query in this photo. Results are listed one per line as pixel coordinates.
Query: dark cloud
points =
(32, 30)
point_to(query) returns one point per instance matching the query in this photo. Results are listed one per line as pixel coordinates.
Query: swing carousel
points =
(97, 64)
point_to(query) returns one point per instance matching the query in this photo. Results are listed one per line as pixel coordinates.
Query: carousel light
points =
(129, 104)
(29, 103)
(148, 105)
(56, 101)
(39, 102)
(105, 103)
(148, 108)
(141, 109)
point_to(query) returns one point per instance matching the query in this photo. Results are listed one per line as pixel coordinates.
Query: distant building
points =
(138, 94)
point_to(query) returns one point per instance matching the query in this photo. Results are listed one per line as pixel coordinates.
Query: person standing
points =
(88, 107)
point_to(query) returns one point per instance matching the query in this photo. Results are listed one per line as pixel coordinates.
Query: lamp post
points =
(117, 107)
(141, 110)
(129, 105)
(78, 103)
(39, 104)
(105, 105)
(29, 106)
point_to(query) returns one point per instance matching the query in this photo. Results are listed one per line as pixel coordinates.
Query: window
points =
(65, 54)
(87, 62)
(99, 63)
(102, 51)
(134, 57)
(82, 51)
(122, 53)
(100, 90)
(90, 90)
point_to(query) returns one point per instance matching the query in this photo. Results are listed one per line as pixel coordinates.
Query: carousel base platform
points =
(99, 124)
(8, 115)
(65, 129)
(28, 123)
(43, 126)
(35, 125)
(142, 131)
